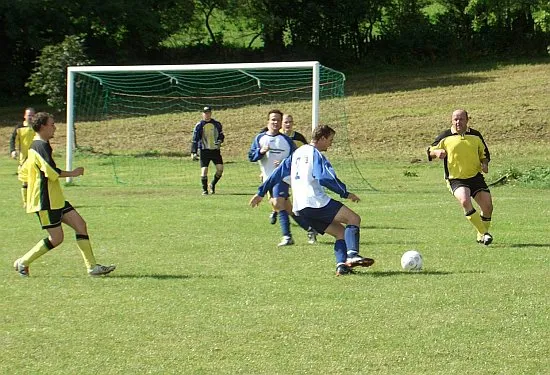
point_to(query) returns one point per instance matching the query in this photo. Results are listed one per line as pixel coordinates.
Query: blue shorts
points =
(280, 190)
(321, 218)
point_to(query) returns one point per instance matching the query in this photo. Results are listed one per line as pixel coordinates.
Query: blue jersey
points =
(310, 173)
(280, 147)
(207, 135)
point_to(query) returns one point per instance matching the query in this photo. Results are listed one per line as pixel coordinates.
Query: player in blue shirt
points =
(269, 149)
(299, 140)
(310, 173)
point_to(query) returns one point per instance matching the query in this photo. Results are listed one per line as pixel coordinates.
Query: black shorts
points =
(52, 218)
(475, 184)
(207, 156)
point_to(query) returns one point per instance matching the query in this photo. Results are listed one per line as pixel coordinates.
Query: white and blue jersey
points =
(310, 173)
(280, 147)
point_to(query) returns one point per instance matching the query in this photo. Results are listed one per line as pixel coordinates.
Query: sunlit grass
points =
(202, 288)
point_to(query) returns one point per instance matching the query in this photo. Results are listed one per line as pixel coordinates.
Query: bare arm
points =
(485, 165)
(74, 173)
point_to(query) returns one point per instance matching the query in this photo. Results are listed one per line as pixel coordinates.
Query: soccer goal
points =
(138, 120)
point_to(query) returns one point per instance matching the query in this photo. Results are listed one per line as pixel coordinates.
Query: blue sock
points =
(301, 222)
(285, 223)
(340, 251)
(351, 235)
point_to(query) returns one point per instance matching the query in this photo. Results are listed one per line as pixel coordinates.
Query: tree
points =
(49, 77)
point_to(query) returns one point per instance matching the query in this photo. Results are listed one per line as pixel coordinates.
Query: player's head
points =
(322, 137)
(274, 119)
(28, 114)
(459, 120)
(288, 122)
(207, 113)
(43, 123)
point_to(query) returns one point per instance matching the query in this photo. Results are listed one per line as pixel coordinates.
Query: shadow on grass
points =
(394, 82)
(387, 79)
(412, 273)
(522, 245)
(399, 273)
(164, 277)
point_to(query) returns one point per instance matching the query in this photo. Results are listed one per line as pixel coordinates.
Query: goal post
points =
(135, 122)
(165, 70)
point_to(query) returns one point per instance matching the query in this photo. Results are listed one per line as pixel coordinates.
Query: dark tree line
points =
(336, 32)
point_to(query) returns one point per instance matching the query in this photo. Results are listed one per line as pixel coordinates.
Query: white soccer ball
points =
(412, 261)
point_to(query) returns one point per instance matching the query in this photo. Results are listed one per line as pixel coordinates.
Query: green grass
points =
(201, 287)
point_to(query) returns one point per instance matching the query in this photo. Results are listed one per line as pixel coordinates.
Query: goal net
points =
(133, 124)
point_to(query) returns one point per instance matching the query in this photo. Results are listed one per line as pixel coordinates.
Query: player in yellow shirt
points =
(465, 156)
(20, 141)
(287, 129)
(46, 199)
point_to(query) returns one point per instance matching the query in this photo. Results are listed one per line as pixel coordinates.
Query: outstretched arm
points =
(282, 171)
(255, 201)
(324, 172)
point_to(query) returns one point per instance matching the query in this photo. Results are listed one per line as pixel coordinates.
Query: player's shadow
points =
(522, 245)
(410, 273)
(163, 276)
(401, 273)
(382, 227)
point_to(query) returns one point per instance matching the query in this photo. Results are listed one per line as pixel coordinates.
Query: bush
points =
(49, 77)
(538, 177)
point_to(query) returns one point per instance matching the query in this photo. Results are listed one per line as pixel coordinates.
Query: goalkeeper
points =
(207, 138)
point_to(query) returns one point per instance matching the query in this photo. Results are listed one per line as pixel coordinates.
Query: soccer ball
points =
(412, 261)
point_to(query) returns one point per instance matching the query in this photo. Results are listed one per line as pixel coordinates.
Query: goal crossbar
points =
(167, 70)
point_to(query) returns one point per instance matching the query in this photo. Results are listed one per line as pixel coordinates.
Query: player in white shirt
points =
(269, 149)
(310, 173)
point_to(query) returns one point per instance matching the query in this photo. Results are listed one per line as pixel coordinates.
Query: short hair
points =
(274, 111)
(40, 119)
(462, 110)
(322, 131)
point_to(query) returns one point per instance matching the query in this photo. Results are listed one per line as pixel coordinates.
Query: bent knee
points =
(56, 240)
(354, 219)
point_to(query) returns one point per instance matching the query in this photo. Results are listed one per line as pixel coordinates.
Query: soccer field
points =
(201, 287)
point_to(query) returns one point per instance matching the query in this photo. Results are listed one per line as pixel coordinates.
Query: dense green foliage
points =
(49, 77)
(344, 32)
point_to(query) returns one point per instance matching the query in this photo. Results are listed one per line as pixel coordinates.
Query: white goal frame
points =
(72, 71)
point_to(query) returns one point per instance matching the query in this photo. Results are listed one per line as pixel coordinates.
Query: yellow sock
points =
(475, 220)
(41, 248)
(24, 195)
(487, 222)
(83, 243)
